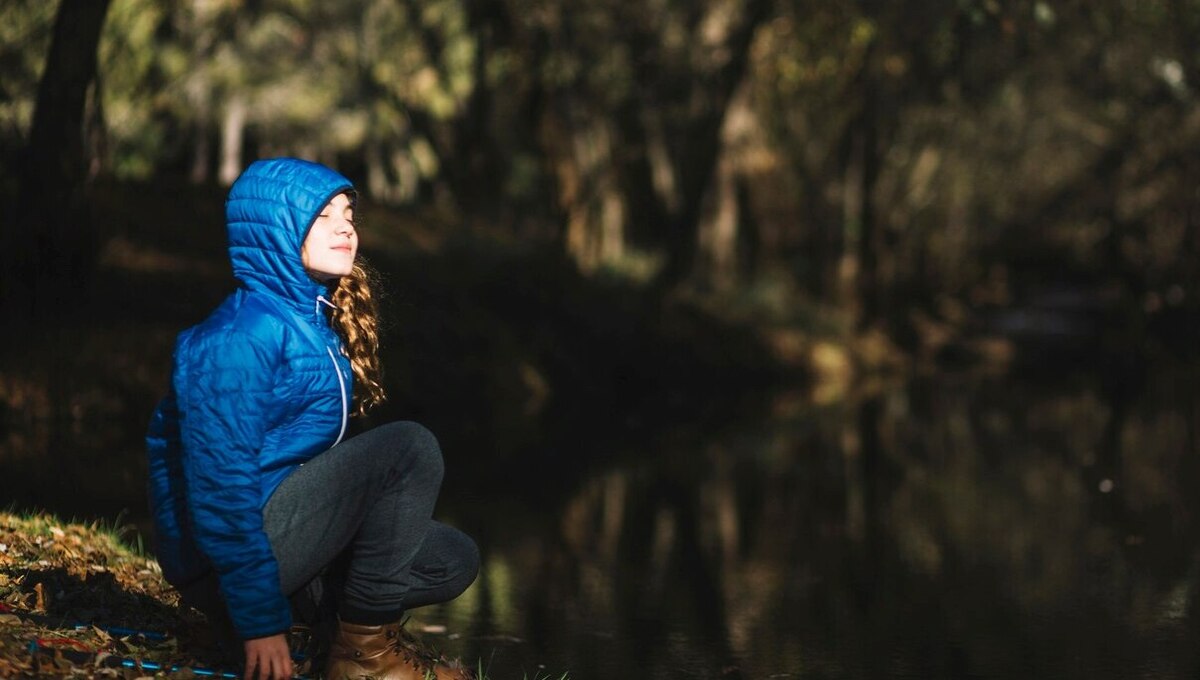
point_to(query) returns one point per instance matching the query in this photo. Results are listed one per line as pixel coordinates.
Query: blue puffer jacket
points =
(258, 388)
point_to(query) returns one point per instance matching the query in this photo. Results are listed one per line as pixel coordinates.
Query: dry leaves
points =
(64, 589)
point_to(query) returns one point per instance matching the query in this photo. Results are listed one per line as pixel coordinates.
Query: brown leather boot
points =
(384, 653)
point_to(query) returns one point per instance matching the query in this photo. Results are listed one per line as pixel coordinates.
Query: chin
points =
(330, 275)
(339, 270)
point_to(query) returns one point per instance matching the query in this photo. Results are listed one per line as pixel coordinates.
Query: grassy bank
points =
(68, 591)
(76, 600)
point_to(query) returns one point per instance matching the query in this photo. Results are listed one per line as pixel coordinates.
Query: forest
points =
(896, 167)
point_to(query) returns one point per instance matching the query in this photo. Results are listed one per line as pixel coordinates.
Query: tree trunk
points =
(200, 96)
(846, 286)
(199, 89)
(859, 273)
(231, 139)
(612, 221)
(862, 175)
(719, 226)
(378, 185)
(470, 166)
(477, 169)
(871, 247)
(643, 166)
(95, 149)
(700, 145)
(587, 211)
(49, 254)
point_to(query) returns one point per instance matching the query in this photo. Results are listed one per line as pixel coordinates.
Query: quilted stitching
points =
(254, 394)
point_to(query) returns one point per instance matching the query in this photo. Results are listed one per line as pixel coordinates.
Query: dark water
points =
(1036, 525)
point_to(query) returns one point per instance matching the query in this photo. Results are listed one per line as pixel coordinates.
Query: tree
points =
(723, 34)
(635, 100)
(50, 250)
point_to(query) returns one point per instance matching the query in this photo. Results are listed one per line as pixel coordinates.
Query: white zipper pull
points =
(321, 299)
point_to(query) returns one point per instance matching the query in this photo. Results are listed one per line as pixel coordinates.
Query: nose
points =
(344, 226)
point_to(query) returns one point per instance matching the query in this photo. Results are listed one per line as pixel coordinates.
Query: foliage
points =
(24, 37)
(872, 156)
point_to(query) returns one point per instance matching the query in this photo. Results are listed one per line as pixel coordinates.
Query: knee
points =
(418, 450)
(467, 560)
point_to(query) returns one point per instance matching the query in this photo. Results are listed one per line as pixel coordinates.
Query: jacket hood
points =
(268, 213)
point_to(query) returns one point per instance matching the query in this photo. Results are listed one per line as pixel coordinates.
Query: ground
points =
(72, 597)
(78, 601)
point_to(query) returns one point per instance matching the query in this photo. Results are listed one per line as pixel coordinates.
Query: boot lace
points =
(423, 658)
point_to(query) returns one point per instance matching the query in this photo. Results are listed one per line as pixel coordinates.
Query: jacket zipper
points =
(342, 388)
(336, 369)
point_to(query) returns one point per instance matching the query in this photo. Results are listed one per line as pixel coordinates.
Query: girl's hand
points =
(269, 657)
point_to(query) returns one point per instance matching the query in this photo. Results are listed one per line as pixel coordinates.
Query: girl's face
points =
(332, 243)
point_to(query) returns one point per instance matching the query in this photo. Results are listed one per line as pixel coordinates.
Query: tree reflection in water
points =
(1040, 525)
(950, 527)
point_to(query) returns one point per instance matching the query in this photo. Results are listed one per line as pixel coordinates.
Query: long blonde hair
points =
(356, 320)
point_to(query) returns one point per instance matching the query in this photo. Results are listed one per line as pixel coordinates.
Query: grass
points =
(74, 596)
(65, 587)
(481, 674)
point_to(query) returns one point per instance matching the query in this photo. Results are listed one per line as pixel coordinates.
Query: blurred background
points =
(764, 338)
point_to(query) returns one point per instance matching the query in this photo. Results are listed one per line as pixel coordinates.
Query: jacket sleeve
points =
(224, 399)
(168, 502)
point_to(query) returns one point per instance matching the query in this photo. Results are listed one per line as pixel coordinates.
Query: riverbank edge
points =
(77, 600)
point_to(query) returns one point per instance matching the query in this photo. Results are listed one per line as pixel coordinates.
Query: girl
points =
(257, 495)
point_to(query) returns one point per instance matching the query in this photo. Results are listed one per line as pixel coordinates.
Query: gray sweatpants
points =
(352, 531)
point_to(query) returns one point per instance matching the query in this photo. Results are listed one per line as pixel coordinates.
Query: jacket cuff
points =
(258, 636)
(258, 625)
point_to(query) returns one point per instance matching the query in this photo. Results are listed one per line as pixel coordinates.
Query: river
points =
(1036, 523)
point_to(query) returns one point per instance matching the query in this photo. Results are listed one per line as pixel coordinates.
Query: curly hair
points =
(356, 319)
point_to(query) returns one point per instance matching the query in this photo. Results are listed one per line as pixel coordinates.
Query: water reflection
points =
(954, 526)
(951, 527)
